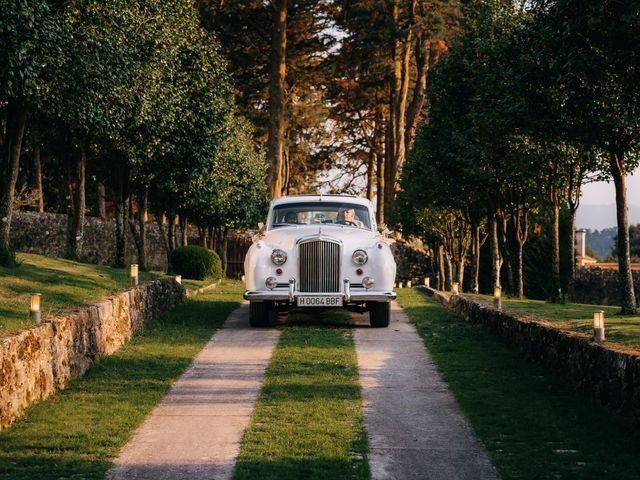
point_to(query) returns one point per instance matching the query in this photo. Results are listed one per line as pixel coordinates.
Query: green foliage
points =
(634, 243)
(233, 193)
(197, 263)
(27, 48)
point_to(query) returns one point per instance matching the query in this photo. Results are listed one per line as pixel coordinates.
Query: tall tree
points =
(594, 57)
(27, 34)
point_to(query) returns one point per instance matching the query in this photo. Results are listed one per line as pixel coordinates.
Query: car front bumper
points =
(349, 295)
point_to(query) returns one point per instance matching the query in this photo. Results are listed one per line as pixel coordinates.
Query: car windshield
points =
(321, 213)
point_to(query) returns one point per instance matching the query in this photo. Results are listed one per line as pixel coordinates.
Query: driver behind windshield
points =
(347, 216)
(291, 217)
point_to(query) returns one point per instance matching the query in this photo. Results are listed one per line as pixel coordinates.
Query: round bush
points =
(196, 263)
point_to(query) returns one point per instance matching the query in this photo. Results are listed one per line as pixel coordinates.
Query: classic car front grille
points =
(319, 266)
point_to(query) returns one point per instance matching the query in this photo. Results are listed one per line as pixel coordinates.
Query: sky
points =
(603, 193)
(597, 206)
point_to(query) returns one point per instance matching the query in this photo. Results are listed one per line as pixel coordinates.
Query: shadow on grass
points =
(77, 432)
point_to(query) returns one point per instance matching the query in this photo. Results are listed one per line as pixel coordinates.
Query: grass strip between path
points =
(531, 423)
(308, 420)
(77, 432)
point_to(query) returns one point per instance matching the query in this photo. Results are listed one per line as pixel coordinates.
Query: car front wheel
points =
(379, 314)
(259, 313)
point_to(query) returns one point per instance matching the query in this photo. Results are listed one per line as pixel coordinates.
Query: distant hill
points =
(599, 217)
(601, 241)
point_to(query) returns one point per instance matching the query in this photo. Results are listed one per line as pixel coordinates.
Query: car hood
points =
(286, 237)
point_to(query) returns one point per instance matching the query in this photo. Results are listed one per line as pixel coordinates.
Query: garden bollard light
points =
(598, 325)
(243, 278)
(399, 284)
(409, 284)
(497, 297)
(134, 274)
(455, 289)
(427, 281)
(179, 279)
(34, 310)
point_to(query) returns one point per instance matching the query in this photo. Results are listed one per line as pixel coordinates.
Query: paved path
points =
(416, 430)
(196, 430)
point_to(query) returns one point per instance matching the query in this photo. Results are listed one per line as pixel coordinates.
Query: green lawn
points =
(308, 419)
(622, 329)
(77, 432)
(531, 423)
(63, 284)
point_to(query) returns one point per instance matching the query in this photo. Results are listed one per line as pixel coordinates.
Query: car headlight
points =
(359, 257)
(278, 256)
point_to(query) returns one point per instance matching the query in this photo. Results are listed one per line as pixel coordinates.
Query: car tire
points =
(259, 314)
(379, 314)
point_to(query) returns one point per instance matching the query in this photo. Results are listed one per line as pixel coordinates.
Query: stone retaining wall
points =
(412, 261)
(36, 362)
(46, 234)
(608, 374)
(600, 286)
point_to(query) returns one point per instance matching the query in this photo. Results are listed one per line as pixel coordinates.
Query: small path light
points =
(34, 310)
(409, 284)
(598, 325)
(134, 274)
(497, 297)
(456, 288)
(179, 279)
(427, 281)
(399, 284)
(243, 278)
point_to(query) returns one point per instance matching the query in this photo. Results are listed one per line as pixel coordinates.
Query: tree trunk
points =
(496, 259)
(120, 184)
(572, 245)
(223, 250)
(422, 52)
(441, 268)
(475, 283)
(618, 172)
(555, 247)
(76, 184)
(37, 171)
(380, 187)
(371, 172)
(165, 239)
(448, 272)
(102, 204)
(171, 230)
(143, 208)
(16, 120)
(184, 229)
(277, 96)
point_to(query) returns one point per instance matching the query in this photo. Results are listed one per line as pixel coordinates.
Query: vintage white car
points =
(320, 251)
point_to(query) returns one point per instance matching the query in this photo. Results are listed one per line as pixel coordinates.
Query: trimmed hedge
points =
(196, 263)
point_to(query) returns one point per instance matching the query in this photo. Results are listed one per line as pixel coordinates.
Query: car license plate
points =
(320, 301)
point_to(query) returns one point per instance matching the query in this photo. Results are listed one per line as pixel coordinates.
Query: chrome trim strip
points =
(347, 290)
